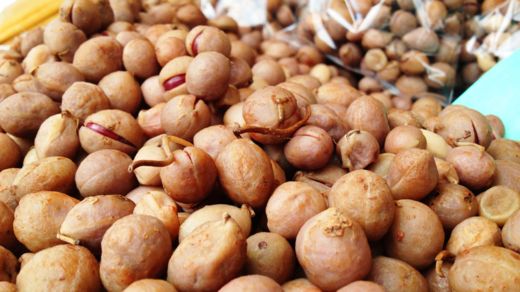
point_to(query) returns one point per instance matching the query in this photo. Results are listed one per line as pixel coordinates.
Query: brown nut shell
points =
(493, 266)
(271, 255)
(83, 99)
(22, 114)
(395, 275)
(453, 204)
(347, 258)
(190, 177)
(416, 235)
(357, 149)
(368, 114)
(63, 39)
(207, 38)
(208, 75)
(111, 129)
(57, 136)
(245, 173)
(60, 268)
(139, 58)
(473, 232)
(366, 198)
(98, 57)
(143, 254)
(291, 205)
(38, 217)
(412, 174)
(151, 285)
(252, 283)
(122, 90)
(309, 148)
(104, 172)
(475, 167)
(185, 115)
(87, 221)
(47, 174)
(208, 213)
(10, 153)
(510, 234)
(209, 257)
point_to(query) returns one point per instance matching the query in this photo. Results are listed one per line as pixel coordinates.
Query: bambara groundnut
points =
(412, 174)
(510, 234)
(105, 172)
(493, 266)
(162, 207)
(87, 221)
(416, 235)
(150, 285)
(395, 275)
(38, 217)
(290, 206)
(212, 255)
(453, 204)
(300, 285)
(498, 203)
(357, 149)
(271, 255)
(473, 232)
(242, 217)
(245, 173)
(60, 268)
(365, 197)
(54, 173)
(344, 238)
(142, 254)
(253, 283)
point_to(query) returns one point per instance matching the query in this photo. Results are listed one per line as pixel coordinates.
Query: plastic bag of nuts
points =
(490, 36)
(410, 47)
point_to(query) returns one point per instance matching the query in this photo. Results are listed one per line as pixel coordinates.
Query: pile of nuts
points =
(144, 147)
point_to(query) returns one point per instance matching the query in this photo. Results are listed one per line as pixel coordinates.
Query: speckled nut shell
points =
(89, 15)
(111, 129)
(206, 38)
(208, 75)
(347, 258)
(184, 115)
(98, 57)
(83, 99)
(173, 77)
(190, 177)
(245, 160)
(22, 114)
(309, 148)
(269, 71)
(63, 39)
(57, 136)
(368, 114)
(37, 56)
(77, 267)
(139, 58)
(104, 172)
(122, 90)
(143, 255)
(38, 218)
(57, 77)
(412, 174)
(170, 46)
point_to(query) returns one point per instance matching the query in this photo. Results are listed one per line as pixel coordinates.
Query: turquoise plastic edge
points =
(498, 92)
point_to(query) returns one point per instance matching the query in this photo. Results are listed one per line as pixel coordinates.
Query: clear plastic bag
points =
(493, 35)
(409, 47)
(246, 13)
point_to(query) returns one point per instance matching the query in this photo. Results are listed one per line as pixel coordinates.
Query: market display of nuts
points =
(152, 145)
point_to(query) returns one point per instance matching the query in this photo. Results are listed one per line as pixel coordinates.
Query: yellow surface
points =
(24, 15)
